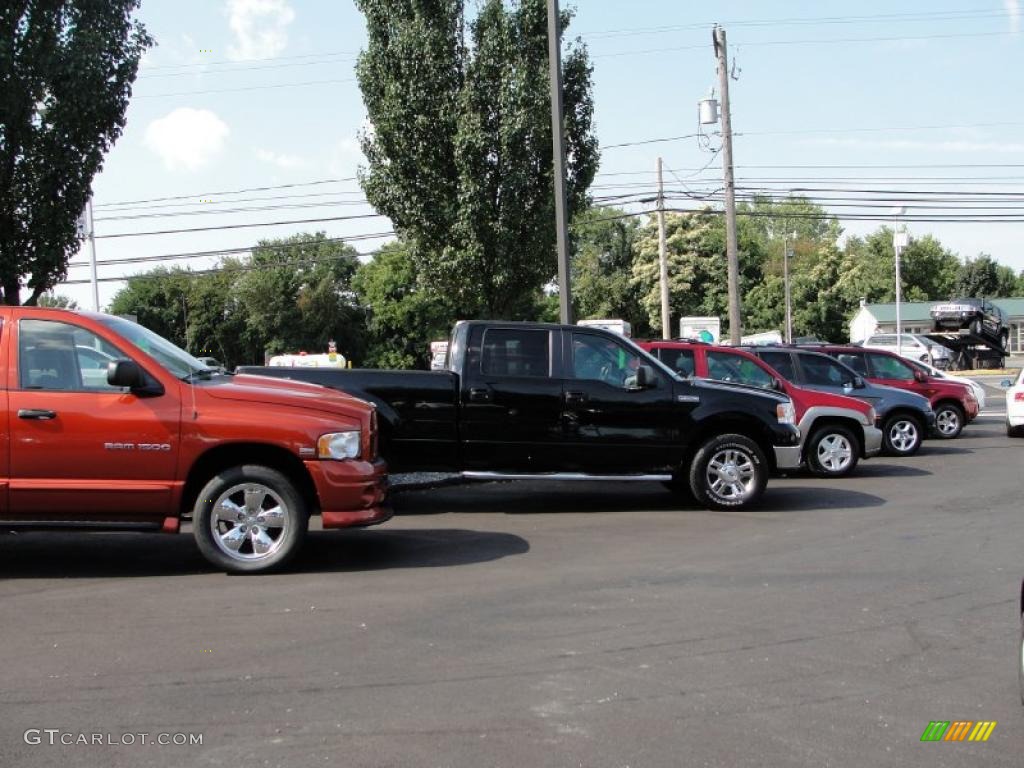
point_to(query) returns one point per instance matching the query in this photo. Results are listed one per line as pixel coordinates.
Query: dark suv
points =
(904, 417)
(980, 316)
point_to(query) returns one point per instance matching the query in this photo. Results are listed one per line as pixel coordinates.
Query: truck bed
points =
(418, 410)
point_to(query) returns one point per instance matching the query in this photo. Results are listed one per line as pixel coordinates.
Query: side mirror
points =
(778, 386)
(920, 376)
(858, 382)
(127, 373)
(643, 378)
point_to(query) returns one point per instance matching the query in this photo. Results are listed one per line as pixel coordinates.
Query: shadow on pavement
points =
(43, 555)
(791, 499)
(933, 448)
(875, 468)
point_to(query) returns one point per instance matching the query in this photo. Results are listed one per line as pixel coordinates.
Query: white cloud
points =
(1007, 147)
(283, 161)
(187, 139)
(1013, 11)
(346, 157)
(259, 27)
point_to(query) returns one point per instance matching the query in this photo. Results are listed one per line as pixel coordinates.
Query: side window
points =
(599, 358)
(823, 372)
(727, 367)
(781, 362)
(854, 361)
(886, 367)
(63, 357)
(514, 352)
(679, 360)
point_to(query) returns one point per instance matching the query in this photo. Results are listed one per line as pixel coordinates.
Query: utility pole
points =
(785, 282)
(558, 155)
(732, 257)
(666, 316)
(85, 226)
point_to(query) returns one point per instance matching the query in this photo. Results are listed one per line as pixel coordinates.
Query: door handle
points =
(575, 398)
(479, 395)
(36, 413)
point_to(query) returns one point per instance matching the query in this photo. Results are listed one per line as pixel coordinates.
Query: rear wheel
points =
(949, 420)
(728, 472)
(832, 451)
(249, 519)
(1012, 431)
(901, 435)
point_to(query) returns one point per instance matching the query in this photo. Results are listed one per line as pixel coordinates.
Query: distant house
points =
(881, 318)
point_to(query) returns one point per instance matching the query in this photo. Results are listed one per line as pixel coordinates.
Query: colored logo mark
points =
(958, 730)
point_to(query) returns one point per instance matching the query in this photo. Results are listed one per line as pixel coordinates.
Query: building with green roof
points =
(881, 318)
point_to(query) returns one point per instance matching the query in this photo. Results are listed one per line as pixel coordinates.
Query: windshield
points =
(176, 361)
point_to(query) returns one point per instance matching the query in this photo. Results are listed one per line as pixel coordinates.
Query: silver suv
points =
(914, 347)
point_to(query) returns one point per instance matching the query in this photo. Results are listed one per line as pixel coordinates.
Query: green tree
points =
(66, 69)
(981, 276)
(296, 294)
(159, 301)
(460, 146)
(404, 316)
(602, 268)
(57, 300)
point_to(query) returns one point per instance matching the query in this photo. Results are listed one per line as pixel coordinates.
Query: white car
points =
(1015, 405)
(913, 347)
(976, 388)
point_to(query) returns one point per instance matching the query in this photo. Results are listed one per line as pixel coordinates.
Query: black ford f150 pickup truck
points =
(532, 400)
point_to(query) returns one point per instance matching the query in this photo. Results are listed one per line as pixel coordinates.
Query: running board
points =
(564, 476)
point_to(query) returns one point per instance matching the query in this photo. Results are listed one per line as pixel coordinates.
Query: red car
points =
(110, 426)
(954, 403)
(835, 431)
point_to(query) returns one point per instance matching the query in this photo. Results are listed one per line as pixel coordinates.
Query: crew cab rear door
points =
(82, 450)
(511, 399)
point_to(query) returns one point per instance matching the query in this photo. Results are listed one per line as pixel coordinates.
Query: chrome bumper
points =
(872, 441)
(788, 456)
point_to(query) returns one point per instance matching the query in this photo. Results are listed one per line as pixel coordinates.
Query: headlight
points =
(786, 413)
(338, 445)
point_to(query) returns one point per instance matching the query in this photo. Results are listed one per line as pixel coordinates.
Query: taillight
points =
(1018, 397)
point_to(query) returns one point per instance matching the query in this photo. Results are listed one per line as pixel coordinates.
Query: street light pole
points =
(899, 242)
(558, 156)
(785, 281)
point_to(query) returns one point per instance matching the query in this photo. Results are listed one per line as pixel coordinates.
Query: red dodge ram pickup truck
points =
(110, 426)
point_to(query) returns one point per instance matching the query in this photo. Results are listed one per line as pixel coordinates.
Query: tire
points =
(901, 435)
(728, 472)
(976, 327)
(832, 451)
(239, 500)
(1012, 431)
(1004, 341)
(949, 421)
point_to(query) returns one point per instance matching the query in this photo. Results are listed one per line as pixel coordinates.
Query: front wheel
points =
(728, 472)
(832, 451)
(1004, 341)
(949, 420)
(901, 435)
(249, 519)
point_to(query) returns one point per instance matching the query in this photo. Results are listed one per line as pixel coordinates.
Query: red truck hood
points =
(286, 392)
(808, 398)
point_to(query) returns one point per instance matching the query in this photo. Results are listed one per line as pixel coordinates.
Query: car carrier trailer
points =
(970, 351)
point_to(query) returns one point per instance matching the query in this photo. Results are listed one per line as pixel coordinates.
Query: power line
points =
(246, 88)
(242, 226)
(232, 192)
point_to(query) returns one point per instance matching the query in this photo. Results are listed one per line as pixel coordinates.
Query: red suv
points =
(954, 403)
(835, 431)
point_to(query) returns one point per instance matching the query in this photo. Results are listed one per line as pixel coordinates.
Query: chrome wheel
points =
(834, 452)
(249, 522)
(903, 435)
(731, 474)
(947, 422)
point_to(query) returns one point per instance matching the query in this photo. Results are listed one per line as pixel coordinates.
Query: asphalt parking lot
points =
(549, 625)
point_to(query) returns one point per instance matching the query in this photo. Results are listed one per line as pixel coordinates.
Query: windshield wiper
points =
(202, 374)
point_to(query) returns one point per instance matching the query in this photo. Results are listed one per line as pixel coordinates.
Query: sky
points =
(242, 95)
